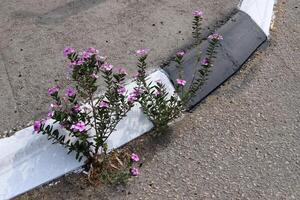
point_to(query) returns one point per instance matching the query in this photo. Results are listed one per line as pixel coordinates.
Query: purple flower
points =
(77, 108)
(135, 157)
(79, 126)
(92, 50)
(131, 99)
(181, 82)
(136, 76)
(142, 52)
(180, 54)
(55, 106)
(68, 51)
(53, 90)
(72, 64)
(134, 171)
(107, 67)
(205, 61)
(95, 76)
(50, 114)
(157, 93)
(215, 36)
(79, 62)
(104, 104)
(137, 91)
(86, 55)
(122, 90)
(159, 82)
(37, 125)
(198, 13)
(122, 71)
(70, 92)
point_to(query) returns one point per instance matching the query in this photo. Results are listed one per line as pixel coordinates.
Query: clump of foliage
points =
(88, 119)
(89, 124)
(162, 107)
(115, 169)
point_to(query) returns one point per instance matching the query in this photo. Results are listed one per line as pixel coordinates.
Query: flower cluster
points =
(77, 119)
(198, 13)
(197, 28)
(215, 36)
(79, 111)
(117, 167)
(142, 52)
(157, 104)
(134, 170)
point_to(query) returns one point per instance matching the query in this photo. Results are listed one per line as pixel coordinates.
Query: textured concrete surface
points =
(33, 35)
(241, 143)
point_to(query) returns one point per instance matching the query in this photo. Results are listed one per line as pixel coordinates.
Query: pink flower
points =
(104, 104)
(77, 108)
(37, 125)
(53, 90)
(181, 82)
(122, 71)
(79, 126)
(137, 91)
(50, 114)
(131, 99)
(157, 93)
(68, 51)
(86, 55)
(95, 76)
(215, 36)
(180, 54)
(92, 50)
(122, 90)
(79, 62)
(159, 82)
(135, 157)
(134, 171)
(70, 91)
(198, 13)
(142, 52)
(205, 61)
(55, 106)
(136, 76)
(72, 64)
(107, 67)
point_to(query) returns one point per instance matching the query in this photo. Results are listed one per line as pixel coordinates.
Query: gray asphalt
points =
(33, 35)
(242, 142)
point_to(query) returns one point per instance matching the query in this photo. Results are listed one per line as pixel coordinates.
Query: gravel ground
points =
(242, 142)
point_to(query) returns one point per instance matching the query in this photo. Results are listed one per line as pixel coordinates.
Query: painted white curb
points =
(28, 160)
(261, 11)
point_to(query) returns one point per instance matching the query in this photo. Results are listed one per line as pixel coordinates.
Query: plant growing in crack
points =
(161, 107)
(88, 124)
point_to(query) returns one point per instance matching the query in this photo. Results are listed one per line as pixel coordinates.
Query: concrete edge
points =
(261, 11)
(29, 160)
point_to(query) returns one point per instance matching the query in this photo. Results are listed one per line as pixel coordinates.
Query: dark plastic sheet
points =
(242, 36)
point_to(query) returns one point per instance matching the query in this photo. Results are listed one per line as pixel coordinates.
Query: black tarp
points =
(242, 36)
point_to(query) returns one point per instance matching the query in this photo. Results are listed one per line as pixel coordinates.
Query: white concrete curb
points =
(28, 160)
(261, 11)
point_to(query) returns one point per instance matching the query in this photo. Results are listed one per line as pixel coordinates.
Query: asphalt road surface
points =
(242, 142)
